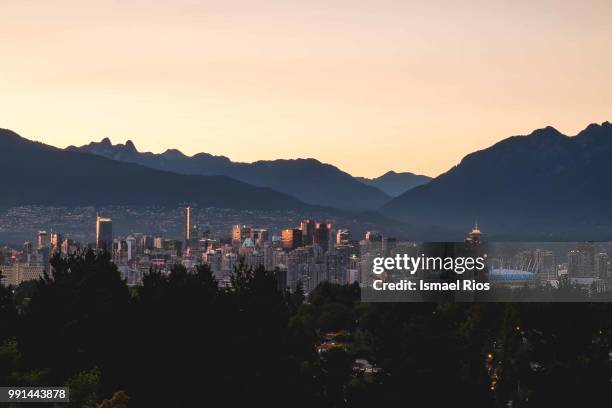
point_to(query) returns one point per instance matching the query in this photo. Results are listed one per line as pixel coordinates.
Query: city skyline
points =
(308, 253)
(366, 87)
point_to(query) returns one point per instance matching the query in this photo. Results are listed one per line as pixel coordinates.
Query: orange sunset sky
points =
(368, 86)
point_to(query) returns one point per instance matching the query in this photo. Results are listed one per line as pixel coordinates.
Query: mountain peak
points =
(547, 131)
(394, 183)
(173, 154)
(596, 130)
(129, 145)
(106, 141)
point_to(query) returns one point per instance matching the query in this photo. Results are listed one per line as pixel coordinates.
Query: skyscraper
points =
(187, 224)
(307, 227)
(388, 245)
(41, 239)
(601, 265)
(575, 264)
(104, 233)
(322, 235)
(56, 241)
(545, 265)
(240, 233)
(588, 251)
(259, 236)
(291, 238)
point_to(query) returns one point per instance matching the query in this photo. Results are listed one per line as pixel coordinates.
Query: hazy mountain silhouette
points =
(545, 184)
(309, 180)
(35, 173)
(394, 183)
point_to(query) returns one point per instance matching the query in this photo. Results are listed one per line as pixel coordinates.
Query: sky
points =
(368, 86)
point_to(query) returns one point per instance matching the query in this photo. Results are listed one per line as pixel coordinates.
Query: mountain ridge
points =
(39, 174)
(544, 180)
(43, 174)
(394, 183)
(308, 180)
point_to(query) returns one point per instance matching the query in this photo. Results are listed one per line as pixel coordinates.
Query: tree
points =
(8, 313)
(82, 312)
(84, 388)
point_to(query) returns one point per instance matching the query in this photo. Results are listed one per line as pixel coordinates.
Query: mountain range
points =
(38, 174)
(35, 173)
(543, 185)
(308, 180)
(394, 184)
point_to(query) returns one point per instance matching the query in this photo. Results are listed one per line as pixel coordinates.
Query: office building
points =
(307, 227)
(322, 234)
(56, 242)
(104, 233)
(601, 265)
(41, 239)
(240, 233)
(373, 236)
(291, 238)
(187, 224)
(343, 237)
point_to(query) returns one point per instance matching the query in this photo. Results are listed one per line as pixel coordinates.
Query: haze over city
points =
(369, 87)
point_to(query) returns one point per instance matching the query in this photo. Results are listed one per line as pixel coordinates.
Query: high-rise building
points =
(131, 247)
(388, 245)
(41, 239)
(575, 264)
(213, 259)
(240, 233)
(321, 235)
(373, 236)
(588, 251)
(173, 245)
(268, 251)
(56, 242)
(545, 265)
(104, 233)
(601, 265)
(147, 243)
(337, 264)
(307, 227)
(343, 237)
(187, 224)
(259, 236)
(67, 246)
(291, 238)
(158, 242)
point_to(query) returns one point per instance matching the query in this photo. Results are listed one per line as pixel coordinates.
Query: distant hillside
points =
(35, 173)
(544, 185)
(308, 180)
(394, 184)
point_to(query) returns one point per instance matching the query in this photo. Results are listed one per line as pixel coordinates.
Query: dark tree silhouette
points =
(181, 340)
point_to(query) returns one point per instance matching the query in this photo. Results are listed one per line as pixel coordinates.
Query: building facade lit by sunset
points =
(104, 233)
